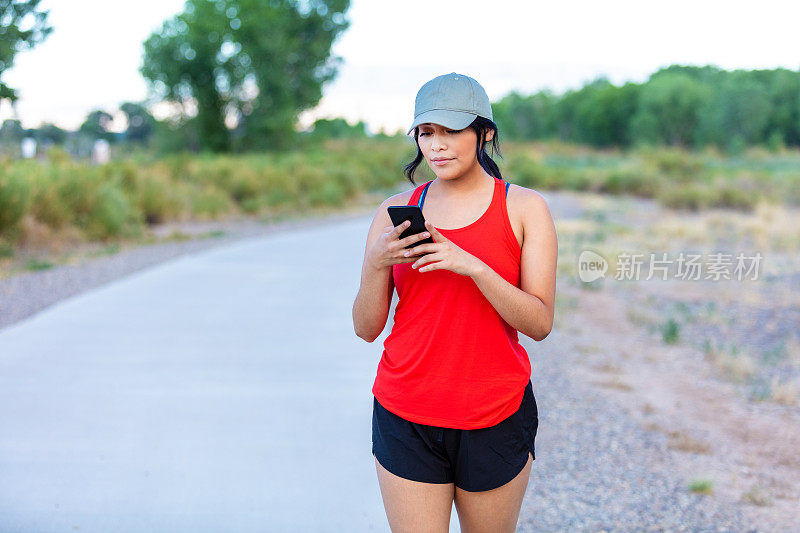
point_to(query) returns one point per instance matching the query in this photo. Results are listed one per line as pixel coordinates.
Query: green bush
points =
(210, 202)
(630, 181)
(109, 213)
(692, 197)
(15, 198)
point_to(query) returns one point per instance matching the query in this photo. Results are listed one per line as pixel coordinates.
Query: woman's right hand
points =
(389, 248)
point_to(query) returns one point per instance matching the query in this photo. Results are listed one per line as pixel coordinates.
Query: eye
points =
(448, 131)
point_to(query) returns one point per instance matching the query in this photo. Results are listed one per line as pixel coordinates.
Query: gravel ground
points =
(596, 469)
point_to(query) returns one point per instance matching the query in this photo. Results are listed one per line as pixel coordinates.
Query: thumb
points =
(438, 237)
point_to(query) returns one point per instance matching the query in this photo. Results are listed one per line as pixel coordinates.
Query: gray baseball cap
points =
(452, 100)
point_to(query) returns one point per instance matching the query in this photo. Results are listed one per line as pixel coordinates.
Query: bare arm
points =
(529, 308)
(371, 307)
(383, 249)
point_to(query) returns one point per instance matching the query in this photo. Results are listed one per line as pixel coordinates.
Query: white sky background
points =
(92, 57)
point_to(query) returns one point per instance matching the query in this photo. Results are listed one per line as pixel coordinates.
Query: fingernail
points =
(426, 234)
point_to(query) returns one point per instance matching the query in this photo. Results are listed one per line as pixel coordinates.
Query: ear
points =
(489, 135)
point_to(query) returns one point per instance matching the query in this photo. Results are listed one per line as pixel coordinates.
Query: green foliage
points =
(701, 486)
(118, 199)
(679, 106)
(338, 128)
(96, 125)
(525, 117)
(668, 109)
(14, 16)
(214, 52)
(140, 122)
(15, 198)
(629, 181)
(38, 264)
(738, 113)
(670, 331)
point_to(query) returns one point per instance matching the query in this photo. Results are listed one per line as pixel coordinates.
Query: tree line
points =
(685, 106)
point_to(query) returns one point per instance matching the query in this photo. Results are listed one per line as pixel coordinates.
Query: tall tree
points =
(140, 122)
(669, 108)
(248, 62)
(96, 125)
(14, 15)
(11, 131)
(604, 116)
(738, 113)
(49, 133)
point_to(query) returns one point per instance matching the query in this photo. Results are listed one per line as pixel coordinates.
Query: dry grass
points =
(736, 363)
(767, 227)
(614, 383)
(642, 316)
(756, 496)
(587, 348)
(678, 440)
(786, 392)
(608, 367)
(648, 409)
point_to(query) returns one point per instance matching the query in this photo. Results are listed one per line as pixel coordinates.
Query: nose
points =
(436, 142)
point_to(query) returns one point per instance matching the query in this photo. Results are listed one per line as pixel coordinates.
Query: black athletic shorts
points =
(473, 459)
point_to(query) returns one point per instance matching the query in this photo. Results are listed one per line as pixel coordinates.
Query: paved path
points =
(222, 391)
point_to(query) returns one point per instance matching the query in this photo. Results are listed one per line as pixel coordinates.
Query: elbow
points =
(367, 337)
(540, 336)
(364, 332)
(540, 333)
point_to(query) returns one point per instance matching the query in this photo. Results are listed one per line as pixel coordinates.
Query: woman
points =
(454, 415)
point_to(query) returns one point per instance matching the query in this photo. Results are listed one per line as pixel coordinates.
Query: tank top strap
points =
(419, 193)
(418, 196)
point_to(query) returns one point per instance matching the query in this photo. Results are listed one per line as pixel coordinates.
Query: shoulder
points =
(530, 204)
(529, 210)
(400, 198)
(381, 217)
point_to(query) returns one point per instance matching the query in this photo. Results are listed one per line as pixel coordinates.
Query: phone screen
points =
(401, 213)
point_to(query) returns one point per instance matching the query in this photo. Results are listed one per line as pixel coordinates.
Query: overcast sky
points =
(391, 48)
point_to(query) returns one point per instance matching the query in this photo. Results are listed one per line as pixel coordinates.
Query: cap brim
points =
(448, 118)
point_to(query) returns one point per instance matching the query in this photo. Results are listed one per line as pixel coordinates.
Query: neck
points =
(464, 185)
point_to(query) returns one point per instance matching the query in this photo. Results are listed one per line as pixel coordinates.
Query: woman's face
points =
(457, 149)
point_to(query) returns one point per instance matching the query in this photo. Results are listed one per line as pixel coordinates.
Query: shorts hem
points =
(405, 476)
(515, 472)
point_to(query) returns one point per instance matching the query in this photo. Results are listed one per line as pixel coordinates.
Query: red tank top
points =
(451, 360)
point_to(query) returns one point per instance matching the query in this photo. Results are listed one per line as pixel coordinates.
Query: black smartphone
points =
(401, 213)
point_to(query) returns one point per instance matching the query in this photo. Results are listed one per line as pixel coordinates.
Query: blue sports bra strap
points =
(424, 192)
(507, 184)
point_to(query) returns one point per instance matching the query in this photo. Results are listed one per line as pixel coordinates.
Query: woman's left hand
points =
(446, 255)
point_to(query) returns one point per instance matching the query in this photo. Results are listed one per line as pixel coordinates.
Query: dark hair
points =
(479, 125)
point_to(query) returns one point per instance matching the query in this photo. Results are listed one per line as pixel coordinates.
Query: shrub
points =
(15, 197)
